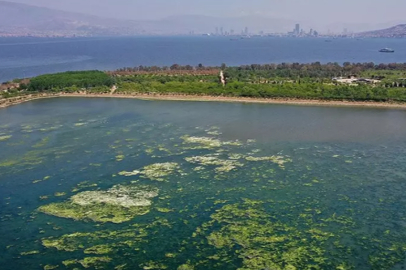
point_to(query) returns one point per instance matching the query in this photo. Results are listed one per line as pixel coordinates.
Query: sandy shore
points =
(18, 100)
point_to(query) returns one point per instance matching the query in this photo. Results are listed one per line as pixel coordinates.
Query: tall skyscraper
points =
(217, 30)
(297, 29)
(246, 31)
(221, 31)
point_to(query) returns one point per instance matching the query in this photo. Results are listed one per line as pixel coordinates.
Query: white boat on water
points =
(387, 50)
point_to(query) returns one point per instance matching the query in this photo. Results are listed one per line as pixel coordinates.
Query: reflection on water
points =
(130, 184)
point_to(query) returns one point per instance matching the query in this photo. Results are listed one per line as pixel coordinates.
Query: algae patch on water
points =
(89, 262)
(124, 173)
(207, 142)
(260, 241)
(5, 138)
(155, 171)
(118, 204)
(279, 160)
(222, 165)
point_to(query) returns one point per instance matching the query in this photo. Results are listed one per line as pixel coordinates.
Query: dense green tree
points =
(82, 79)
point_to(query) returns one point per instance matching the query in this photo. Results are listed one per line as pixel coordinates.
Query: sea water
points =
(105, 183)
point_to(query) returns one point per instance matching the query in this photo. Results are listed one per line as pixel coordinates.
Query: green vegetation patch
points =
(117, 205)
(81, 79)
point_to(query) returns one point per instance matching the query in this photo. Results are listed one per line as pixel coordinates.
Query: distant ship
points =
(387, 50)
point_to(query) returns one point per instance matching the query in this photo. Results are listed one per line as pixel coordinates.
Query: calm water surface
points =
(26, 57)
(251, 186)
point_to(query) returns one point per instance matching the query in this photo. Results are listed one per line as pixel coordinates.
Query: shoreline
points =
(4, 103)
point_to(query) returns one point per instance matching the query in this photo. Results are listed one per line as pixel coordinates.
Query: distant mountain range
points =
(398, 31)
(22, 20)
(26, 20)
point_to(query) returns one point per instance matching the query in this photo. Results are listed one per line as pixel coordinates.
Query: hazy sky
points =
(318, 11)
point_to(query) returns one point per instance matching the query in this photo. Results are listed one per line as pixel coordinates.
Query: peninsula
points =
(355, 84)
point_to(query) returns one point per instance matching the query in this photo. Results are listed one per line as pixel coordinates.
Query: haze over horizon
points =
(318, 14)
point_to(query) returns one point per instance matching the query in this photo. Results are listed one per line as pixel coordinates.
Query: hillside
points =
(397, 31)
(22, 20)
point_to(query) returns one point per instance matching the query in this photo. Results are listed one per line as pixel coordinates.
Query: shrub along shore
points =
(356, 84)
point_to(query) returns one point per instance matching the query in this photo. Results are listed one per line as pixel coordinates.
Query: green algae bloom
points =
(124, 173)
(164, 210)
(207, 142)
(185, 267)
(279, 160)
(223, 165)
(99, 249)
(50, 128)
(89, 262)
(120, 157)
(68, 263)
(95, 262)
(29, 253)
(153, 265)
(158, 171)
(5, 138)
(81, 241)
(295, 219)
(83, 185)
(117, 205)
(246, 230)
(44, 179)
(50, 267)
(41, 143)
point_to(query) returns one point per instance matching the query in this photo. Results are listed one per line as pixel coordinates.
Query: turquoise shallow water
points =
(253, 186)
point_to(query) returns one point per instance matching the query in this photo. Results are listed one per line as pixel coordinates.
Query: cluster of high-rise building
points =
(299, 32)
(221, 32)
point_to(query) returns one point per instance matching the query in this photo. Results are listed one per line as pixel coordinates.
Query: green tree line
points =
(80, 79)
(285, 90)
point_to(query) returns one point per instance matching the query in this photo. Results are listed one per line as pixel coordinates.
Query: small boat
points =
(387, 50)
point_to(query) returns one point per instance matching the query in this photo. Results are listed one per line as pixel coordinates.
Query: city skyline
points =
(313, 13)
(297, 32)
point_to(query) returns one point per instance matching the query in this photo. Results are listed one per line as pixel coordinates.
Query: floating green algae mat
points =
(5, 137)
(117, 204)
(155, 185)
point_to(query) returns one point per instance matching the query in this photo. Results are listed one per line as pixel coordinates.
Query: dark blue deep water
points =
(89, 183)
(26, 57)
